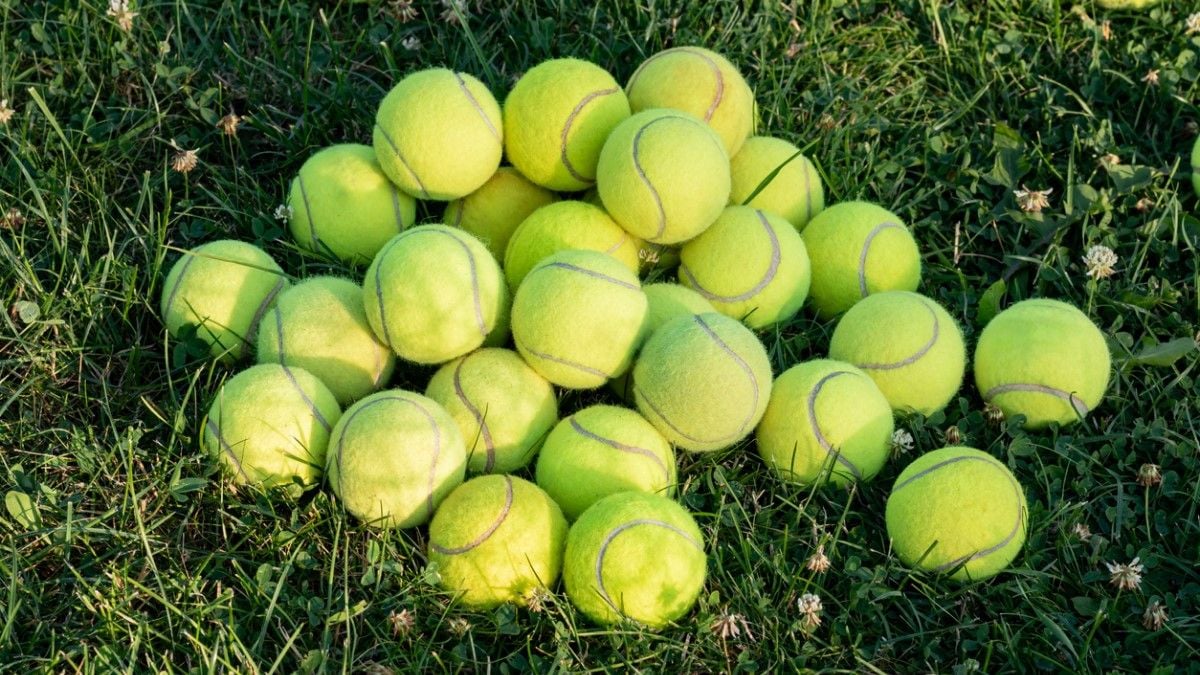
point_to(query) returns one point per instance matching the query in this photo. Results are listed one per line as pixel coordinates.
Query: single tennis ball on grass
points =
(393, 457)
(439, 134)
(957, 511)
(1043, 359)
(269, 426)
(493, 212)
(637, 556)
(342, 203)
(795, 192)
(567, 225)
(221, 289)
(908, 344)
(826, 421)
(857, 249)
(556, 119)
(496, 540)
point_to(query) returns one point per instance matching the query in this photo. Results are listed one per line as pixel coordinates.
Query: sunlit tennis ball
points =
(794, 192)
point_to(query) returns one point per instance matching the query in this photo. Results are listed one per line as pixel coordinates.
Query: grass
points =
(121, 549)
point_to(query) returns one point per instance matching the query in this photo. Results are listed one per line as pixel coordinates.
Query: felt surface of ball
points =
(493, 212)
(439, 134)
(795, 192)
(667, 301)
(634, 555)
(496, 540)
(908, 344)
(567, 225)
(957, 511)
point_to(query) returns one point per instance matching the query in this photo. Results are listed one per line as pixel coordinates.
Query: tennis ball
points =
(434, 293)
(750, 264)
(493, 212)
(908, 344)
(700, 82)
(664, 301)
(577, 318)
(556, 119)
(393, 457)
(343, 204)
(795, 192)
(1127, 4)
(600, 451)
(567, 225)
(438, 134)
(269, 426)
(634, 555)
(502, 407)
(957, 510)
(663, 176)
(496, 540)
(826, 420)
(857, 249)
(703, 381)
(221, 289)
(1043, 359)
(1196, 167)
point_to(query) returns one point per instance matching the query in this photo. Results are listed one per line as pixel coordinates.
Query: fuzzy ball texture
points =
(493, 212)
(794, 192)
(664, 301)
(567, 225)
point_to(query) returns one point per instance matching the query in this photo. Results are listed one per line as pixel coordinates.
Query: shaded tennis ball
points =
(652, 256)
(342, 203)
(438, 134)
(858, 249)
(957, 511)
(700, 82)
(750, 264)
(795, 192)
(556, 119)
(221, 289)
(663, 176)
(908, 344)
(664, 301)
(493, 212)
(269, 426)
(703, 381)
(826, 420)
(434, 293)
(567, 225)
(577, 318)
(634, 555)
(1043, 359)
(393, 457)
(496, 540)
(1196, 167)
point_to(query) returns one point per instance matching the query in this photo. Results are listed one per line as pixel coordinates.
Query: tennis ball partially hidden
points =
(959, 511)
(634, 555)
(1043, 359)
(269, 426)
(1127, 4)
(393, 457)
(556, 119)
(795, 192)
(221, 289)
(1196, 167)
(664, 301)
(438, 134)
(826, 421)
(342, 203)
(497, 539)
(493, 212)
(567, 225)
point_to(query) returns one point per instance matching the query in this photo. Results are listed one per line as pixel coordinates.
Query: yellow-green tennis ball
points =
(269, 426)
(438, 134)
(652, 256)
(393, 457)
(637, 556)
(700, 82)
(1196, 167)
(1127, 4)
(567, 225)
(666, 301)
(503, 408)
(496, 540)
(958, 511)
(577, 318)
(703, 381)
(1043, 359)
(493, 212)
(826, 420)
(342, 203)
(795, 192)
(434, 293)
(221, 289)
(600, 451)
(556, 119)
(908, 344)
(663, 176)
(750, 264)
(858, 249)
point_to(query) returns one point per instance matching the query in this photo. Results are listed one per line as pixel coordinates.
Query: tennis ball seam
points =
(312, 226)
(718, 94)
(486, 534)
(288, 371)
(916, 356)
(613, 534)
(462, 84)
(191, 258)
(866, 249)
(767, 278)
(215, 430)
(617, 445)
(1076, 403)
(566, 131)
(484, 431)
(400, 156)
(812, 420)
(400, 226)
(248, 339)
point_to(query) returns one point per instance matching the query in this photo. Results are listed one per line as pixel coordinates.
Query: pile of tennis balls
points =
(607, 185)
